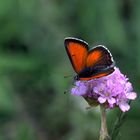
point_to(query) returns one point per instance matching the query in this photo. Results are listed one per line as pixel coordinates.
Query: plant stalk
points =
(103, 131)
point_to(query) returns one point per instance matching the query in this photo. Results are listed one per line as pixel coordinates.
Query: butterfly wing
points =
(99, 57)
(77, 51)
(99, 74)
(99, 63)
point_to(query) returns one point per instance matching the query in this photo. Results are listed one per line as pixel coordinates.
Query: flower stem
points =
(103, 131)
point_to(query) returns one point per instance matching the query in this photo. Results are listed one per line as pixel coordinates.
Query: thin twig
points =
(117, 125)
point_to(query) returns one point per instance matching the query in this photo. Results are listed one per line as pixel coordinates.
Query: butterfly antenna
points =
(66, 91)
(67, 76)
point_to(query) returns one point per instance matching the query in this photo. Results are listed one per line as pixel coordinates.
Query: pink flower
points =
(80, 88)
(112, 90)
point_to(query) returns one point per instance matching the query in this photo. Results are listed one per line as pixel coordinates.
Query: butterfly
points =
(88, 63)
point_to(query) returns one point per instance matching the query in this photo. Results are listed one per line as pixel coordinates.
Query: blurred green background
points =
(33, 63)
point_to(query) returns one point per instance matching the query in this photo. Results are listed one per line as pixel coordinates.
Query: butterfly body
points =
(88, 63)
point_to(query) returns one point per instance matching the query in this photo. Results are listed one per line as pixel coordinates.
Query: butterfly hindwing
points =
(99, 63)
(77, 51)
(99, 74)
(99, 57)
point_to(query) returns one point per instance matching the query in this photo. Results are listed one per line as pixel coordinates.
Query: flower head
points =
(112, 90)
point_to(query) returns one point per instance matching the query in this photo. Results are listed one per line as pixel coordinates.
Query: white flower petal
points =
(96, 89)
(128, 87)
(131, 95)
(101, 100)
(111, 101)
(124, 106)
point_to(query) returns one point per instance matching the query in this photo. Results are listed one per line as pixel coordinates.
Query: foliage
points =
(33, 63)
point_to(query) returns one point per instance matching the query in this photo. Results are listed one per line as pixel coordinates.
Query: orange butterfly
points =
(88, 63)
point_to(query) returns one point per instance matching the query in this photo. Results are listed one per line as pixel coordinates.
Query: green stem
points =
(103, 131)
(117, 125)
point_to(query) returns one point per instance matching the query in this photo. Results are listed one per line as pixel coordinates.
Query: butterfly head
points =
(76, 77)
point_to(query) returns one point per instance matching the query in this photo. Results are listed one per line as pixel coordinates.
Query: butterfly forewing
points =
(77, 51)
